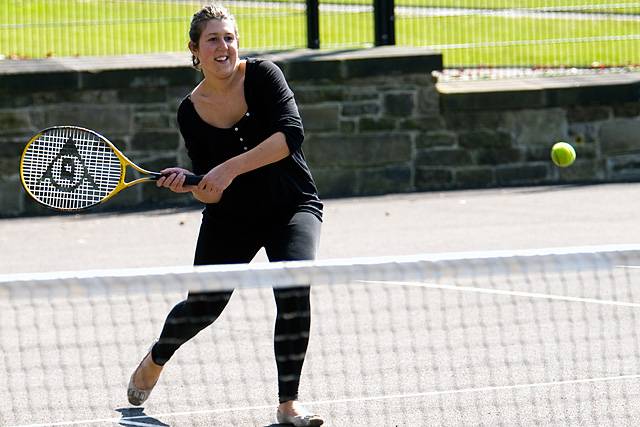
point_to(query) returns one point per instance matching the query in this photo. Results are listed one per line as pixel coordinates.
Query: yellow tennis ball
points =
(563, 154)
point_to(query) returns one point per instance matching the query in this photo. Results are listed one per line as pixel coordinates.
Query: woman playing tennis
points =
(243, 132)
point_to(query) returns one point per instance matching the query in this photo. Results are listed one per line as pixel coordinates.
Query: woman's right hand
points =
(173, 179)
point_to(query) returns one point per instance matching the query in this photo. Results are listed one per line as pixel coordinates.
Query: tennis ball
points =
(563, 154)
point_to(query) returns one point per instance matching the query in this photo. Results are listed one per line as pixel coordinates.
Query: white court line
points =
(128, 420)
(510, 293)
(136, 423)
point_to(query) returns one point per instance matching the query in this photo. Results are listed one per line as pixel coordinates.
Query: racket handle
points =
(189, 179)
(192, 179)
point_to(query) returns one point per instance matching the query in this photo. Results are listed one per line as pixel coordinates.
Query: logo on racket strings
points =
(67, 171)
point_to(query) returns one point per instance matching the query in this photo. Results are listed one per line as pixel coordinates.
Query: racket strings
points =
(69, 169)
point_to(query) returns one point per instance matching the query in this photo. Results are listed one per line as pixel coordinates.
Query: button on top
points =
(236, 129)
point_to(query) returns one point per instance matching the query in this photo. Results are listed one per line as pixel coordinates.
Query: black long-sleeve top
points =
(275, 191)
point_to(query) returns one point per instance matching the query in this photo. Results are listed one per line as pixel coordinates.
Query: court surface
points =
(483, 220)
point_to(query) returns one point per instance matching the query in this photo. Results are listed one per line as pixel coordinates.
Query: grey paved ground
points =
(389, 225)
(380, 356)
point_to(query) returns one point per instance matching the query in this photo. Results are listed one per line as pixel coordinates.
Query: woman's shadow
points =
(137, 417)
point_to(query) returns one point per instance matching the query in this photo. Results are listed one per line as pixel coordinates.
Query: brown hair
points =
(200, 19)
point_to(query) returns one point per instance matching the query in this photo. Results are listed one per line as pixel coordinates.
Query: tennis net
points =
(535, 337)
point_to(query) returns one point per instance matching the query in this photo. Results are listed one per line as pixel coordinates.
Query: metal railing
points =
(470, 33)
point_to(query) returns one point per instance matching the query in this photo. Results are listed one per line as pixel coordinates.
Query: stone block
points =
(321, 118)
(585, 150)
(16, 101)
(370, 124)
(142, 95)
(315, 95)
(334, 182)
(530, 127)
(390, 179)
(523, 174)
(10, 152)
(620, 136)
(428, 100)
(11, 196)
(348, 126)
(362, 93)
(583, 170)
(139, 78)
(588, 113)
(350, 109)
(485, 138)
(175, 95)
(359, 63)
(155, 108)
(537, 153)
(399, 104)
(474, 178)
(623, 167)
(151, 121)
(26, 83)
(423, 123)
(15, 121)
(427, 179)
(474, 120)
(498, 100)
(581, 133)
(32, 208)
(436, 139)
(126, 199)
(358, 150)
(443, 157)
(10, 165)
(627, 109)
(105, 119)
(592, 94)
(411, 61)
(497, 156)
(107, 96)
(304, 70)
(155, 140)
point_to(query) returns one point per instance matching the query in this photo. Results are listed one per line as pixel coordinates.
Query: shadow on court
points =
(137, 417)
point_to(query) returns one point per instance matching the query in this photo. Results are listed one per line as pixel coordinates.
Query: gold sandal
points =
(304, 420)
(137, 396)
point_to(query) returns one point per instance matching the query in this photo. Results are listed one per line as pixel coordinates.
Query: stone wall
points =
(376, 122)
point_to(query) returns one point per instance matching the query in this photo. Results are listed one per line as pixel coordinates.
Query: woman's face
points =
(218, 48)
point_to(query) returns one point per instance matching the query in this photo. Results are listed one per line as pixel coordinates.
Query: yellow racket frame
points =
(125, 162)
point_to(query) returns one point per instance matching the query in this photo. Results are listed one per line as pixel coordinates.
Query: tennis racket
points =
(70, 168)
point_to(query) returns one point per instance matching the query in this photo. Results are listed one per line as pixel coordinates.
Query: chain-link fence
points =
(470, 33)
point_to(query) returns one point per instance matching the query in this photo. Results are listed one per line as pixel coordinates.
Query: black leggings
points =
(220, 244)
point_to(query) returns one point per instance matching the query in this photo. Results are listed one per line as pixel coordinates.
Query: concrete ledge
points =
(135, 71)
(539, 92)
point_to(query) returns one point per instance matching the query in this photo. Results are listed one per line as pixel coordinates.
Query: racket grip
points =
(188, 180)
(192, 179)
